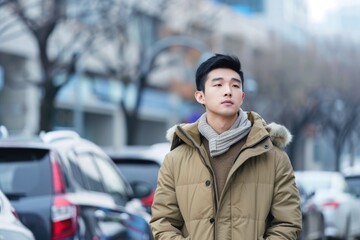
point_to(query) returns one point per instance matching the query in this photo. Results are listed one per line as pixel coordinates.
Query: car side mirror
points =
(310, 195)
(141, 189)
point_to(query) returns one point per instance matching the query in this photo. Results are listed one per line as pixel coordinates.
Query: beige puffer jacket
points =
(259, 201)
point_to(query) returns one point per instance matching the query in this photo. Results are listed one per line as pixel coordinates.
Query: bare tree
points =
(64, 32)
(300, 83)
(341, 110)
(287, 77)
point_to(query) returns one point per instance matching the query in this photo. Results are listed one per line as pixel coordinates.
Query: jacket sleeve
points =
(286, 219)
(166, 221)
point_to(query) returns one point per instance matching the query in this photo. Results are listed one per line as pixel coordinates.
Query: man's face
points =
(223, 95)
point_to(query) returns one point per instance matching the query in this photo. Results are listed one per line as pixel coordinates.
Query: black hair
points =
(214, 62)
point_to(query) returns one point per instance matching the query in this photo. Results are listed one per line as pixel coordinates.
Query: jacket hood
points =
(279, 134)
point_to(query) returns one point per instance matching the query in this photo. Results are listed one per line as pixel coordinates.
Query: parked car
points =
(141, 164)
(10, 225)
(340, 208)
(59, 182)
(312, 218)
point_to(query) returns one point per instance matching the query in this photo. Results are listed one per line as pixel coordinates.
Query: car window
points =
(64, 165)
(140, 171)
(25, 172)
(113, 182)
(90, 175)
(354, 184)
(76, 172)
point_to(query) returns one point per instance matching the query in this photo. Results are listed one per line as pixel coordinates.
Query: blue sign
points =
(246, 7)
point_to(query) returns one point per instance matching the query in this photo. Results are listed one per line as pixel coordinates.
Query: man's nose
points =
(227, 91)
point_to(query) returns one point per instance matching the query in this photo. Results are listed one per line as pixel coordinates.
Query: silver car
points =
(141, 164)
(10, 225)
(340, 207)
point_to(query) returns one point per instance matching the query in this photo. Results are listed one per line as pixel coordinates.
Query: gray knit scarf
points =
(220, 143)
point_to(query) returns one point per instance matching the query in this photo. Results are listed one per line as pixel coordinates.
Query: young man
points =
(226, 176)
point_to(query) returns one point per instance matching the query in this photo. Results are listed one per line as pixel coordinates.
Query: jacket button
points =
(207, 183)
(212, 220)
(266, 146)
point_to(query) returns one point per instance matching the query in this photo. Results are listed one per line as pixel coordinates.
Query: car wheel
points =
(304, 231)
(347, 235)
(322, 234)
(81, 232)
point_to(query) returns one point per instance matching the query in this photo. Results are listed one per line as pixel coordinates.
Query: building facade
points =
(104, 88)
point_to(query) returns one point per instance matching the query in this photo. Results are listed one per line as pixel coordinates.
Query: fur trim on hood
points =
(279, 134)
(171, 132)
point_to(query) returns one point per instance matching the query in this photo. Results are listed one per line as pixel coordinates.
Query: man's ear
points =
(200, 97)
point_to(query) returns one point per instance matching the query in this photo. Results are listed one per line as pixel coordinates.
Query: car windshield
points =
(311, 184)
(24, 172)
(140, 171)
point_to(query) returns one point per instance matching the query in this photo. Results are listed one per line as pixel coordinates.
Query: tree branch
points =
(20, 12)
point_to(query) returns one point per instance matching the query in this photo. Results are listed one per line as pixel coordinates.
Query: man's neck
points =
(220, 124)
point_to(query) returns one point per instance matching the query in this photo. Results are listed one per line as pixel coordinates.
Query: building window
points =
(245, 6)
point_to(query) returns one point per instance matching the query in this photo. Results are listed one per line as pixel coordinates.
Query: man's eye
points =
(237, 86)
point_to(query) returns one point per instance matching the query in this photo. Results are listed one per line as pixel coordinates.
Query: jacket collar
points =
(188, 133)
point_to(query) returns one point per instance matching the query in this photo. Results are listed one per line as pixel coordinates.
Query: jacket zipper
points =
(214, 186)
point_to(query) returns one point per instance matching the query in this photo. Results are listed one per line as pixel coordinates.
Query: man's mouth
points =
(227, 102)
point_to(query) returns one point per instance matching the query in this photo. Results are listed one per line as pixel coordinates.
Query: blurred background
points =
(121, 72)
